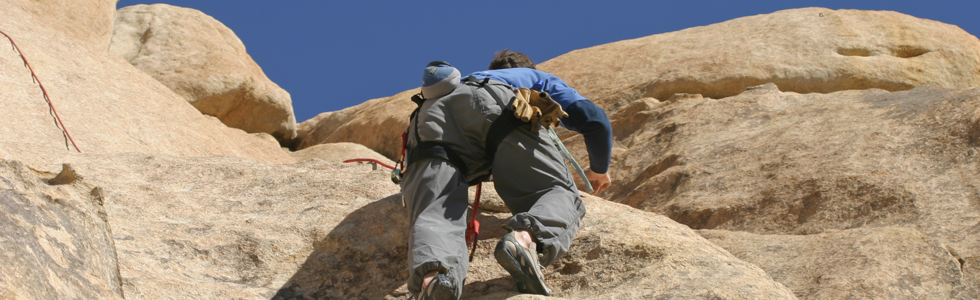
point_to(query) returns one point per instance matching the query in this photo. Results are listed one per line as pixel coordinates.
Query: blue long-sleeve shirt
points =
(583, 116)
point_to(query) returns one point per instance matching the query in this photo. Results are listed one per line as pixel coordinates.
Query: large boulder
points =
(204, 62)
(224, 227)
(377, 124)
(860, 263)
(803, 50)
(106, 105)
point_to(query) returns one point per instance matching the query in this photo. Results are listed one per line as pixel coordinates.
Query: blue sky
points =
(330, 55)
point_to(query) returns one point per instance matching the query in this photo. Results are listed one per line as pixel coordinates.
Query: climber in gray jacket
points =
(447, 141)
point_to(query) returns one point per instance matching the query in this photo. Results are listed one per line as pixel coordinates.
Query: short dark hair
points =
(506, 59)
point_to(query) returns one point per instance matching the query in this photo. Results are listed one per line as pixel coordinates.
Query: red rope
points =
(43, 91)
(473, 226)
(369, 160)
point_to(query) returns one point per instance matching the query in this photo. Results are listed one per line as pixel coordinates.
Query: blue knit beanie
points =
(439, 79)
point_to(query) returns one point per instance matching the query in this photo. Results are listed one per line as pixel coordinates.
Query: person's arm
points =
(591, 121)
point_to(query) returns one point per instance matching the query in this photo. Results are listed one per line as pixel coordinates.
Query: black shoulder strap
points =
(502, 126)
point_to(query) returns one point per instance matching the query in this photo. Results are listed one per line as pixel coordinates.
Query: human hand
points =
(600, 182)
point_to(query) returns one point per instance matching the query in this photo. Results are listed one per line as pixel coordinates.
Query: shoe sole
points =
(439, 288)
(523, 269)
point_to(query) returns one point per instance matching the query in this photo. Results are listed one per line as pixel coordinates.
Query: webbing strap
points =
(440, 151)
(503, 125)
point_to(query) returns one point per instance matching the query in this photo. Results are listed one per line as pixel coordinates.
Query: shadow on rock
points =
(363, 257)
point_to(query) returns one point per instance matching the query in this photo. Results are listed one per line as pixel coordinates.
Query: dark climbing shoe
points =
(440, 288)
(522, 264)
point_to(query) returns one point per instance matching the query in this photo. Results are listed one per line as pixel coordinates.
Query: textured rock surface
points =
(88, 21)
(222, 227)
(800, 50)
(55, 238)
(204, 62)
(861, 263)
(338, 152)
(773, 162)
(107, 105)
(377, 124)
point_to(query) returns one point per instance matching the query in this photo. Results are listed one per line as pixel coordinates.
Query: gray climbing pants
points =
(530, 176)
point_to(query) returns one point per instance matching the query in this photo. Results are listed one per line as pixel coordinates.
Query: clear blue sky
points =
(330, 55)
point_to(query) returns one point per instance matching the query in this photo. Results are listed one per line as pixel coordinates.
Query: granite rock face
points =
(204, 62)
(806, 50)
(225, 227)
(106, 105)
(87, 21)
(338, 152)
(376, 123)
(860, 263)
(56, 239)
(780, 163)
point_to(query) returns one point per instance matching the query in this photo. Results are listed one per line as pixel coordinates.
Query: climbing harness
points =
(44, 92)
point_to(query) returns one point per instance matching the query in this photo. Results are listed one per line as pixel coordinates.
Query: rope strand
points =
(44, 92)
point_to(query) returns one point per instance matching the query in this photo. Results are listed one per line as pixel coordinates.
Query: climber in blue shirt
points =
(517, 70)
(449, 141)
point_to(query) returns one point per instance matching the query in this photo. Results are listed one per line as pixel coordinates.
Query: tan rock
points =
(377, 124)
(800, 50)
(862, 263)
(89, 21)
(56, 240)
(770, 162)
(224, 227)
(204, 62)
(339, 152)
(106, 104)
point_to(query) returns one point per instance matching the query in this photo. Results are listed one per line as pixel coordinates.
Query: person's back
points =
(519, 71)
(530, 175)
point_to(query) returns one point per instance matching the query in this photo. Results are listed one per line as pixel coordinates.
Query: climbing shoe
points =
(522, 264)
(440, 288)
